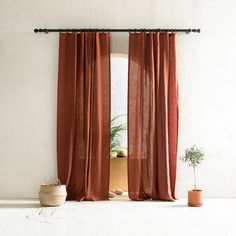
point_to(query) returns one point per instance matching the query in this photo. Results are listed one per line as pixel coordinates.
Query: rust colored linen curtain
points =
(83, 118)
(152, 116)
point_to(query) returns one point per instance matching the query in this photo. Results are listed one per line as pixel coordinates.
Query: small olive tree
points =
(193, 156)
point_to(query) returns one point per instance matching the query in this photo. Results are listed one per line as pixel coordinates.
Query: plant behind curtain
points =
(152, 116)
(83, 123)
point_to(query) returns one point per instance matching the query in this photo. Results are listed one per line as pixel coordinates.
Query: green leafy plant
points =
(193, 156)
(115, 134)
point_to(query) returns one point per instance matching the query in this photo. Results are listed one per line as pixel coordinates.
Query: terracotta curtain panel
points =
(83, 118)
(152, 116)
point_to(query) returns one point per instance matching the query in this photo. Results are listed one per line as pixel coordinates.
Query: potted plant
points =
(194, 156)
(118, 162)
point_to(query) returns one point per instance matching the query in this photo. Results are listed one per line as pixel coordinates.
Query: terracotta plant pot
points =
(195, 198)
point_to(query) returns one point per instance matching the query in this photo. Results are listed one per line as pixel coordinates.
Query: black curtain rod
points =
(116, 30)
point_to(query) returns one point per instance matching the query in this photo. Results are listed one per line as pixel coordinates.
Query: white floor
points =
(118, 217)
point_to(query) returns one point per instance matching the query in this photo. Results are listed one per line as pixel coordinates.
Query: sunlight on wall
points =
(119, 84)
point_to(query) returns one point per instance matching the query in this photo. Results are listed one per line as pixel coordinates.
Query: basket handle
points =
(58, 182)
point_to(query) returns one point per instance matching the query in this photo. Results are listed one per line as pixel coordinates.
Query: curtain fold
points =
(83, 116)
(152, 116)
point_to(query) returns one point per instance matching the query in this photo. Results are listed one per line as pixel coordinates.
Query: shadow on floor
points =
(179, 206)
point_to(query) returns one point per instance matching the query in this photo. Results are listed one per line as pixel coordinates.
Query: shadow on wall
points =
(119, 44)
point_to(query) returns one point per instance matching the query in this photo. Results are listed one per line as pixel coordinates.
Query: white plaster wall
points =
(28, 83)
(119, 91)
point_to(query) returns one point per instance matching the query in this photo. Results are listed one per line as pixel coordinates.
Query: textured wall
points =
(28, 83)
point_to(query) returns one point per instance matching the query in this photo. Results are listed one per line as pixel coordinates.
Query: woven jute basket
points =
(52, 194)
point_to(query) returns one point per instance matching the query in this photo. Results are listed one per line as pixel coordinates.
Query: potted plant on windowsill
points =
(115, 137)
(194, 156)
